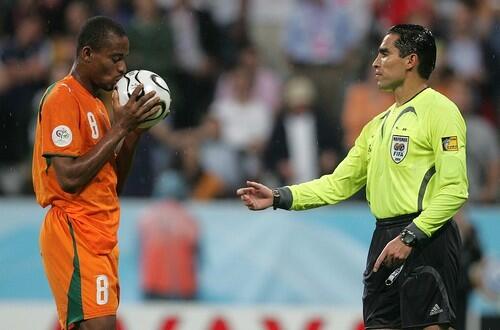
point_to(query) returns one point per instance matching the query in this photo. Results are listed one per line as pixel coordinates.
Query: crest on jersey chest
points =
(399, 147)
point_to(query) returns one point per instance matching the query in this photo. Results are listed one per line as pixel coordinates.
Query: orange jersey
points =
(71, 121)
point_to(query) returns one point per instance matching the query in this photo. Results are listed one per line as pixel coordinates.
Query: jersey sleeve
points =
(60, 121)
(345, 181)
(447, 134)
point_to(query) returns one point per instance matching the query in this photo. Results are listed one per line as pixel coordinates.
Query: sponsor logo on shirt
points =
(62, 136)
(399, 147)
(449, 143)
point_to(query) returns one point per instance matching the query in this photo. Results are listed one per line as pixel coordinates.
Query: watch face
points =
(408, 237)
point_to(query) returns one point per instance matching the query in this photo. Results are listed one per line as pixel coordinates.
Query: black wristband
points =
(282, 199)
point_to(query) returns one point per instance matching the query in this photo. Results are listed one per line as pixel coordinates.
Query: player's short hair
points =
(419, 40)
(95, 32)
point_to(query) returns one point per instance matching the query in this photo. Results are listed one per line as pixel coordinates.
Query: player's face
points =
(108, 63)
(390, 68)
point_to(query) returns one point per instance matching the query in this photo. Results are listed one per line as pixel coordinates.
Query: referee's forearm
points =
(441, 209)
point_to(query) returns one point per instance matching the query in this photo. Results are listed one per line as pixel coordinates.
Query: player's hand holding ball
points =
(149, 113)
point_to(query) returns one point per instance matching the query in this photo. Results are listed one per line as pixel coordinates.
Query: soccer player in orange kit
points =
(81, 158)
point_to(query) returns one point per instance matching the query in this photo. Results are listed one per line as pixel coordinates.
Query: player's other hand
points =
(138, 108)
(256, 196)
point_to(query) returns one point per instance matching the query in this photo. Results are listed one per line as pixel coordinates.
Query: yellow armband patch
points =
(449, 143)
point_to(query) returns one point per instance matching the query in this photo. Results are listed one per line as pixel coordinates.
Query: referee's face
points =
(390, 69)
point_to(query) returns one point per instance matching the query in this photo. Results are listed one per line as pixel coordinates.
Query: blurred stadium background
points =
(245, 74)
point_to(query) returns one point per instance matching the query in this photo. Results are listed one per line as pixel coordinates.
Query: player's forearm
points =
(125, 158)
(73, 174)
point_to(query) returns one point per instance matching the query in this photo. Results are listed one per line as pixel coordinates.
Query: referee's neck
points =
(408, 90)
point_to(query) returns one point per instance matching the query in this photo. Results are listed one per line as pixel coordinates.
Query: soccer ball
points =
(152, 82)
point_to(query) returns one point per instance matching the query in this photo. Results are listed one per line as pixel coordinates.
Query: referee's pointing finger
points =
(379, 261)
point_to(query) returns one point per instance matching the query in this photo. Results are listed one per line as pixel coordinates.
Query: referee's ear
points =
(412, 62)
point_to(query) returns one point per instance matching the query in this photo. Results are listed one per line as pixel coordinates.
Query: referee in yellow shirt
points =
(411, 158)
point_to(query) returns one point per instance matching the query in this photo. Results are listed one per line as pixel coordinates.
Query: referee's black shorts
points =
(423, 293)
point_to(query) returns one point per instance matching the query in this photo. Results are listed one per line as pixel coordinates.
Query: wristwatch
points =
(408, 237)
(276, 198)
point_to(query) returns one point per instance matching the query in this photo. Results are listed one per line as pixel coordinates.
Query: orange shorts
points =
(84, 284)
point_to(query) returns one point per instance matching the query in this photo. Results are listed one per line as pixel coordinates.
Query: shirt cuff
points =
(286, 198)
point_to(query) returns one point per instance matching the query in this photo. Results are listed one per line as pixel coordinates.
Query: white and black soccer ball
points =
(152, 82)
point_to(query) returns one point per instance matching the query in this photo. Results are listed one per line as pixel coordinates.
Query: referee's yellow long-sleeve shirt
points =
(411, 159)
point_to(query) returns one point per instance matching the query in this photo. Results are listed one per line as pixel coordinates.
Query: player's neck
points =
(76, 73)
(408, 90)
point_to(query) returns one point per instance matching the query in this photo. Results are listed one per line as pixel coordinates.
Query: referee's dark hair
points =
(419, 40)
(95, 32)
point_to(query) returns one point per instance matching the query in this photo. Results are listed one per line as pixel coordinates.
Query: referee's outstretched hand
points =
(393, 254)
(256, 196)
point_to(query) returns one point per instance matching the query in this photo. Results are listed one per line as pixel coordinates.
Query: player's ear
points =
(86, 54)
